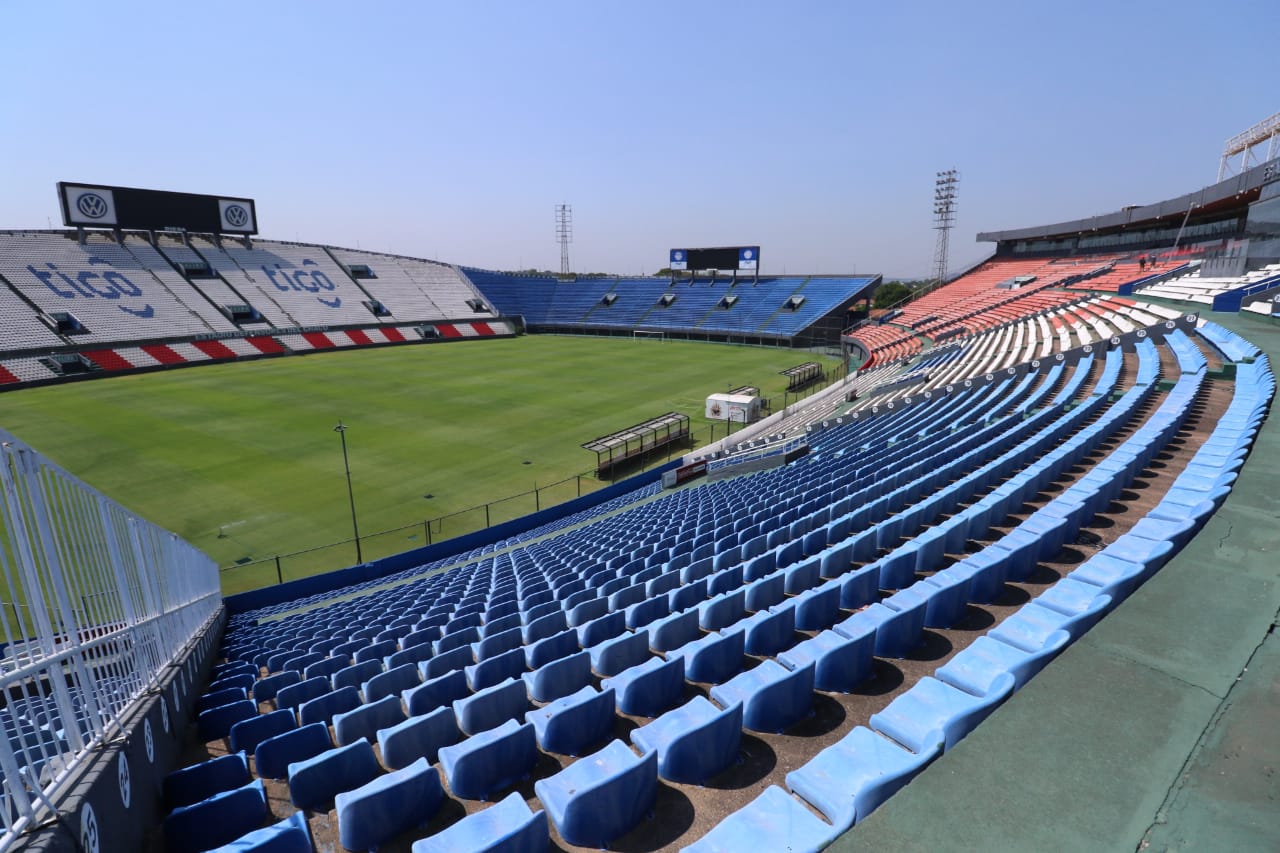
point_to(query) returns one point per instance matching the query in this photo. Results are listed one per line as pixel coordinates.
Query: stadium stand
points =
(887, 531)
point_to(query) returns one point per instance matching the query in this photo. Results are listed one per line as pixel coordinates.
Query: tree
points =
(889, 294)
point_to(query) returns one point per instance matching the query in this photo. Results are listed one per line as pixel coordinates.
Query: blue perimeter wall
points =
(331, 581)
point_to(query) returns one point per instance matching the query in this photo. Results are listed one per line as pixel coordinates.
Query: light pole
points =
(341, 430)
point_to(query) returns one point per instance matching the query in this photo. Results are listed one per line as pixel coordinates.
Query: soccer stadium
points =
(988, 567)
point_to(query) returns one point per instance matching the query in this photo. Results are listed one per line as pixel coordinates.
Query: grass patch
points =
(241, 459)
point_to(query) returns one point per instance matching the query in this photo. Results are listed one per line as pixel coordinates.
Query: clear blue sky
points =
(811, 128)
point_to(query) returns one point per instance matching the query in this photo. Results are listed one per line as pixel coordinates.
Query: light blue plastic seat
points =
(714, 658)
(505, 827)
(315, 781)
(489, 761)
(841, 663)
(489, 708)
(694, 742)
(650, 688)
(772, 696)
(418, 737)
(291, 835)
(559, 677)
(384, 807)
(573, 724)
(602, 797)
(772, 821)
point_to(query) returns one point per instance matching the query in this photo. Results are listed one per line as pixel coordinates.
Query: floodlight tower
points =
(944, 217)
(564, 234)
(1245, 146)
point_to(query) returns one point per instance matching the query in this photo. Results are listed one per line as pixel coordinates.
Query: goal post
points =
(640, 335)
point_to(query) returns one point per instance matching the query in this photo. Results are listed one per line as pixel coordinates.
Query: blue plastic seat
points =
(765, 592)
(558, 678)
(418, 737)
(356, 674)
(218, 698)
(436, 692)
(265, 689)
(949, 603)
(650, 688)
(496, 644)
(200, 781)
(489, 761)
(694, 742)
(859, 587)
(273, 756)
(772, 696)
(622, 652)
(301, 662)
(574, 723)
(392, 682)
(897, 631)
(722, 610)
(216, 820)
(766, 632)
(601, 628)
(772, 821)
(505, 827)
(496, 669)
(602, 797)
(488, 708)
(322, 709)
(851, 778)
(317, 780)
(841, 662)
(674, 631)
(541, 652)
(714, 658)
(643, 613)
(247, 734)
(325, 668)
(216, 722)
(291, 835)
(817, 608)
(384, 807)
(916, 717)
(363, 722)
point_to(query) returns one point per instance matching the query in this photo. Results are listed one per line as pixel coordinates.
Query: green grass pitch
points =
(242, 460)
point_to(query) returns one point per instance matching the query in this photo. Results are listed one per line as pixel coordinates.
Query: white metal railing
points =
(96, 603)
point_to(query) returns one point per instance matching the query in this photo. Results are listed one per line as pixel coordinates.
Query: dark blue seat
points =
(317, 780)
(644, 613)
(818, 608)
(860, 587)
(545, 626)
(301, 662)
(216, 820)
(273, 756)
(505, 827)
(694, 742)
(602, 797)
(714, 658)
(200, 781)
(382, 808)
(247, 734)
(218, 698)
(326, 668)
(216, 722)
(265, 689)
(364, 721)
(392, 682)
(304, 691)
(436, 692)
(291, 835)
(356, 674)
(772, 821)
(442, 663)
(489, 761)
(456, 639)
(488, 708)
(418, 737)
(322, 709)
(650, 688)
(574, 723)
(772, 696)
(411, 655)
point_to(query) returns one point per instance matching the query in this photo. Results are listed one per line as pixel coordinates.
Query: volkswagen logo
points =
(236, 215)
(92, 205)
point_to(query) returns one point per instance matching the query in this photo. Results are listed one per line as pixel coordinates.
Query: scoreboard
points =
(739, 258)
(101, 206)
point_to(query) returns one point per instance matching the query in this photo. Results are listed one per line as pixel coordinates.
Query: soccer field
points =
(242, 460)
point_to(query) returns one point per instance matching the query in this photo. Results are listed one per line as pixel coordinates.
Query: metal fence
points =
(96, 604)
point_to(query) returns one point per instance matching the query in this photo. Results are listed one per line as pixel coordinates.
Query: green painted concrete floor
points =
(1158, 730)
